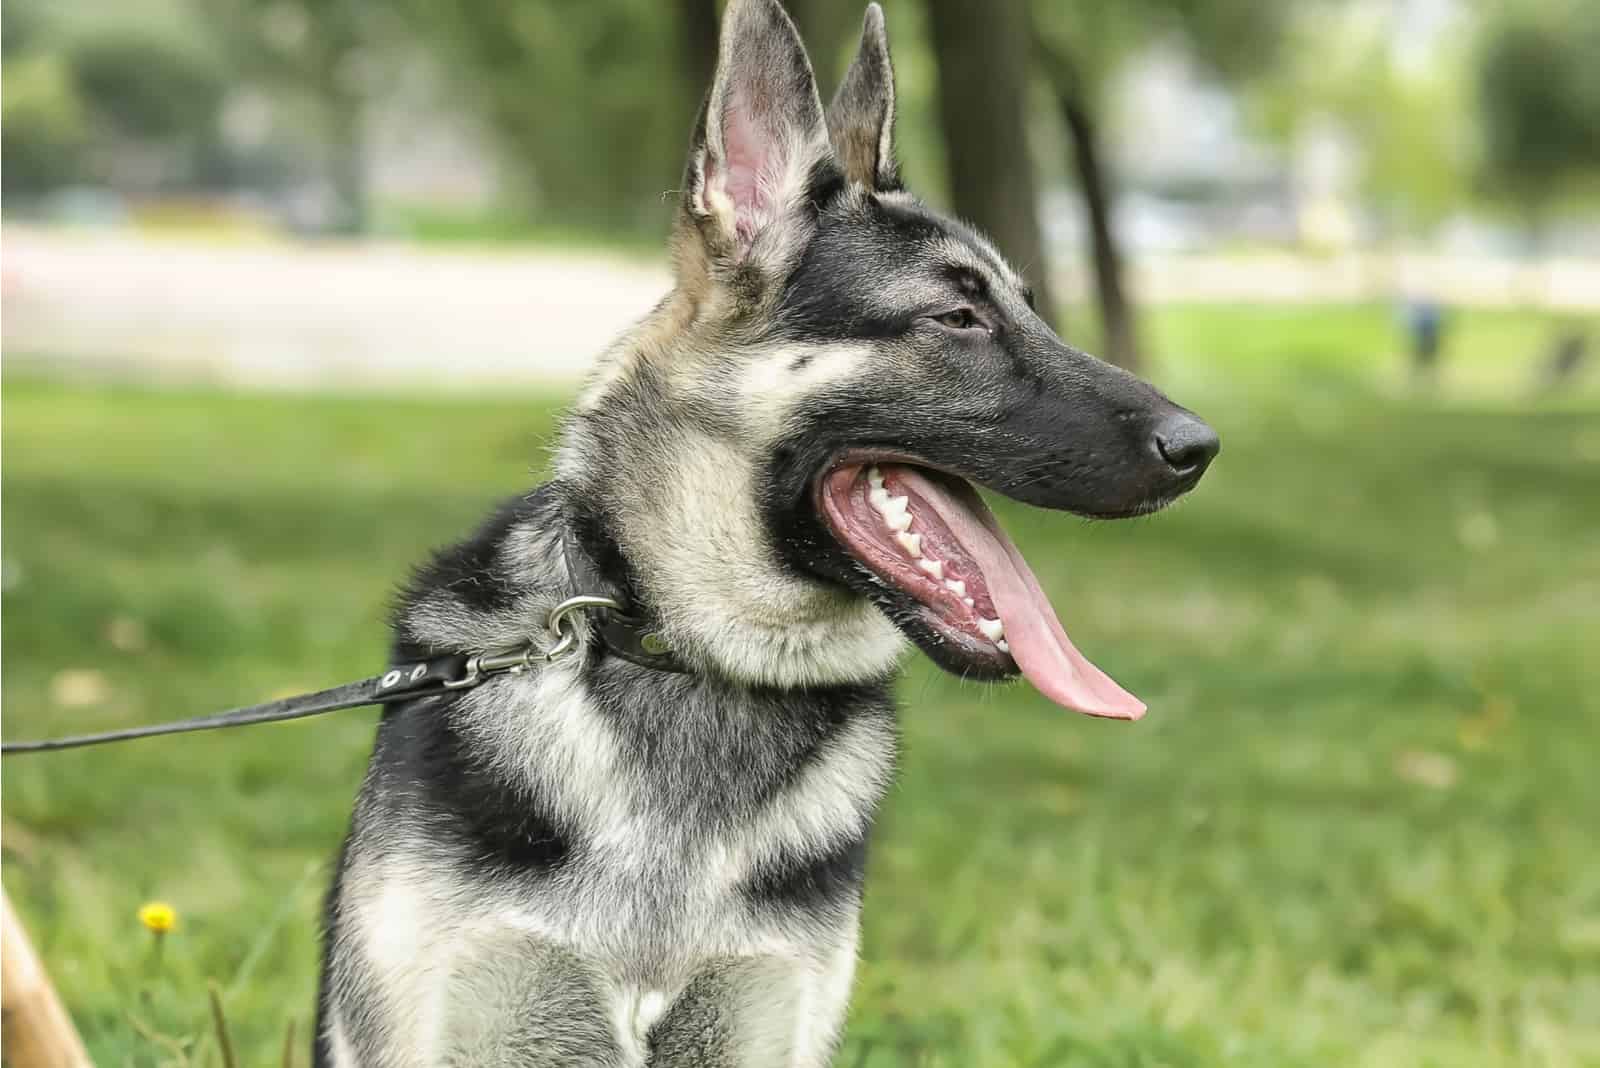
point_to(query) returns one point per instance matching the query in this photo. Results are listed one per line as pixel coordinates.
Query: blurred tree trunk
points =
(327, 66)
(321, 55)
(982, 51)
(1117, 317)
(825, 25)
(697, 38)
(348, 166)
(334, 44)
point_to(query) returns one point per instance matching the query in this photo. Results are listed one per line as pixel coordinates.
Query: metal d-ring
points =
(560, 627)
(566, 637)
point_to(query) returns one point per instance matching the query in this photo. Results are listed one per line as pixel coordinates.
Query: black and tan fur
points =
(599, 863)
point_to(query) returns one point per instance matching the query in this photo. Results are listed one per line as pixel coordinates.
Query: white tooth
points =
(898, 520)
(1003, 645)
(875, 477)
(968, 601)
(958, 586)
(879, 499)
(932, 567)
(896, 504)
(992, 629)
(911, 543)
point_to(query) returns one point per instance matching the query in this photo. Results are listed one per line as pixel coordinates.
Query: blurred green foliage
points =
(1412, 124)
(145, 85)
(593, 103)
(1539, 84)
(126, 100)
(588, 106)
(320, 63)
(1232, 39)
(44, 131)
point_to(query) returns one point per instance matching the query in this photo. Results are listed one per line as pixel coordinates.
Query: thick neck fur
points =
(575, 754)
(668, 445)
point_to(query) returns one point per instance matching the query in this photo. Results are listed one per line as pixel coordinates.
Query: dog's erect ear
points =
(761, 131)
(861, 117)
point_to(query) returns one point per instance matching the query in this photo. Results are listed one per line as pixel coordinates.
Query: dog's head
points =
(836, 368)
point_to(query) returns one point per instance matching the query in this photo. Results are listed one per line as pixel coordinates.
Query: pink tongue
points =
(1039, 644)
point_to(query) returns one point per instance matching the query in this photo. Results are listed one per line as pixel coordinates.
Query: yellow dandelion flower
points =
(159, 916)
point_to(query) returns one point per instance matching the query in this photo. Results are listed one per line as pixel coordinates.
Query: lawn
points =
(1360, 826)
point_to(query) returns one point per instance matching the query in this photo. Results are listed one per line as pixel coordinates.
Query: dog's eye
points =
(960, 319)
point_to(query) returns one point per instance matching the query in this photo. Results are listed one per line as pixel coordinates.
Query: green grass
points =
(1360, 826)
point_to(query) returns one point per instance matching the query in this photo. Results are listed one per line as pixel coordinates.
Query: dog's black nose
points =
(1187, 444)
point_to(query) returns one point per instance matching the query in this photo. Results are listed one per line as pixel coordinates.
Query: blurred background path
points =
(348, 314)
(378, 314)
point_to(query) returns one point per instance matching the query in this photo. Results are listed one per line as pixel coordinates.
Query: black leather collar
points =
(627, 634)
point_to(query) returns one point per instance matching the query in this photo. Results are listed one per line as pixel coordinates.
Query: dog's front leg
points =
(764, 1012)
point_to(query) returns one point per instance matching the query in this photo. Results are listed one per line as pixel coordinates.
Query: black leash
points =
(403, 683)
(629, 637)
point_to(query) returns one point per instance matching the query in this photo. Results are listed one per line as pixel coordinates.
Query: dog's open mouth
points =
(929, 536)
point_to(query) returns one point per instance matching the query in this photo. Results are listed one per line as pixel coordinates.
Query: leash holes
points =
(391, 678)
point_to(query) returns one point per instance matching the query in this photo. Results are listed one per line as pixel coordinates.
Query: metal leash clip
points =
(515, 661)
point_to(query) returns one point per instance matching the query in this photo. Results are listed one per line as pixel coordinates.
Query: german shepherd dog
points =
(649, 851)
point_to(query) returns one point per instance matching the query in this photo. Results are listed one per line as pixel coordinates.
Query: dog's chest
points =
(676, 802)
(677, 845)
(673, 776)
